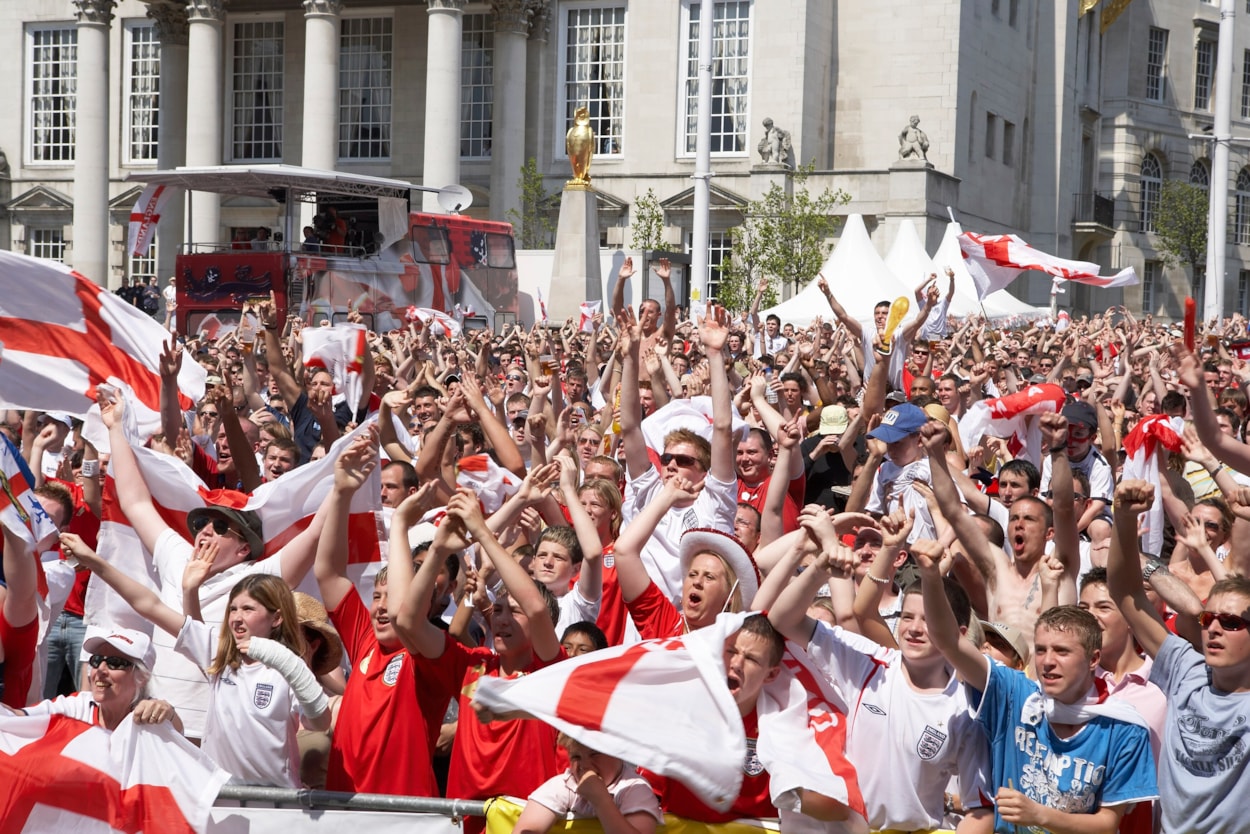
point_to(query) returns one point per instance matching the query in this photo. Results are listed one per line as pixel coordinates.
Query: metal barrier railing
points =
(354, 801)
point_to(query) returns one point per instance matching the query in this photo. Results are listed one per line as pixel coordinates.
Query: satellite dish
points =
(455, 198)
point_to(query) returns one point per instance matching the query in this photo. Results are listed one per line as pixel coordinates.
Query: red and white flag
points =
(1005, 417)
(490, 482)
(588, 310)
(20, 511)
(62, 335)
(542, 308)
(439, 323)
(994, 261)
(61, 774)
(341, 351)
(1144, 447)
(144, 217)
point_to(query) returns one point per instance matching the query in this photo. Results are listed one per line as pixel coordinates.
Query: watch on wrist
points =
(1152, 566)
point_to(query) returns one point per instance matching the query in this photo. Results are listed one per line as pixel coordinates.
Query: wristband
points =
(1212, 472)
(90, 468)
(1054, 450)
(878, 579)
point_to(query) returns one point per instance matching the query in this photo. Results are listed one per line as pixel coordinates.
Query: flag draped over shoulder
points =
(1144, 445)
(994, 261)
(144, 217)
(62, 335)
(341, 351)
(60, 774)
(1005, 417)
(20, 510)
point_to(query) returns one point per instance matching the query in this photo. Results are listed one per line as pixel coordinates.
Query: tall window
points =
(1200, 175)
(1151, 186)
(365, 88)
(1243, 291)
(1245, 84)
(594, 72)
(1149, 281)
(144, 266)
(719, 244)
(991, 135)
(731, 67)
(256, 91)
(1204, 60)
(1156, 64)
(477, 85)
(45, 243)
(1009, 143)
(53, 72)
(143, 81)
(1241, 210)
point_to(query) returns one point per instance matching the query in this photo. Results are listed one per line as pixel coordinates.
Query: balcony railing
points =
(1094, 208)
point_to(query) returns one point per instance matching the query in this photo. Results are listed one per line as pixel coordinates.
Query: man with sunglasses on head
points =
(1207, 732)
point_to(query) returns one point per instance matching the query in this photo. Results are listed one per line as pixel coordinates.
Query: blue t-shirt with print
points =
(1107, 762)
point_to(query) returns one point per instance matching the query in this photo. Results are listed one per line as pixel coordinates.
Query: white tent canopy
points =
(857, 277)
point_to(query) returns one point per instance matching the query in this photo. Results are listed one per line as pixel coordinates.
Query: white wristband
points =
(90, 468)
(294, 670)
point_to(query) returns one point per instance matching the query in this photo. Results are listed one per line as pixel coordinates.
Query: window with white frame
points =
(256, 80)
(731, 69)
(719, 245)
(365, 54)
(45, 242)
(144, 266)
(1200, 175)
(1151, 187)
(1245, 84)
(143, 82)
(1156, 64)
(1204, 62)
(593, 72)
(1149, 281)
(477, 85)
(1241, 208)
(52, 70)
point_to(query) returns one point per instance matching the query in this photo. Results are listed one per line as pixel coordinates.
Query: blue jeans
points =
(64, 644)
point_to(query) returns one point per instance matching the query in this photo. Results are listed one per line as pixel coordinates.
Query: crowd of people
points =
(1047, 640)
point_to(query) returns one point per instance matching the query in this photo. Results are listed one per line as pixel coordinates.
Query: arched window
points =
(1200, 174)
(1151, 186)
(1241, 215)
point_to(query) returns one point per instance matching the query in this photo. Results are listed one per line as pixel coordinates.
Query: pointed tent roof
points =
(1001, 304)
(857, 277)
(907, 258)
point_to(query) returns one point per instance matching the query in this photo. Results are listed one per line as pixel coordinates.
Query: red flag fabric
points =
(62, 335)
(994, 261)
(144, 217)
(341, 351)
(1143, 445)
(20, 511)
(490, 482)
(1005, 417)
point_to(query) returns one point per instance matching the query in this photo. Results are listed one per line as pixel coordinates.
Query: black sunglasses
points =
(1228, 622)
(212, 415)
(682, 460)
(114, 663)
(220, 526)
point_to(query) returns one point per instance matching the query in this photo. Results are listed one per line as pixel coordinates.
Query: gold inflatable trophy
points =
(579, 144)
(897, 311)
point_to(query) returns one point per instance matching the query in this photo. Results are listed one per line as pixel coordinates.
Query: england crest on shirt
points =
(392, 670)
(263, 695)
(751, 765)
(930, 744)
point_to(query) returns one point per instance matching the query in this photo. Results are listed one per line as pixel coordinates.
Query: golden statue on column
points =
(579, 144)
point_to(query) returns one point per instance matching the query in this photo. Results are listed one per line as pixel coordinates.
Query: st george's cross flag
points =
(61, 774)
(20, 510)
(339, 349)
(1005, 417)
(144, 217)
(1144, 446)
(62, 336)
(994, 261)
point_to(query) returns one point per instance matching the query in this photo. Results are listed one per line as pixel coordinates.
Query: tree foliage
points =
(647, 231)
(784, 239)
(1181, 223)
(532, 224)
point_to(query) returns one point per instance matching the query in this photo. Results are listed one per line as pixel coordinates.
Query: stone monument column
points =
(321, 83)
(204, 118)
(91, 150)
(507, 150)
(171, 149)
(441, 166)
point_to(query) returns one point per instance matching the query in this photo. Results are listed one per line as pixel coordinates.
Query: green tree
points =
(1181, 224)
(783, 238)
(532, 224)
(647, 231)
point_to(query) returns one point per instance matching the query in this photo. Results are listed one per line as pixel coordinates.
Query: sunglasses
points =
(512, 378)
(220, 526)
(211, 415)
(682, 460)
(1228, 622)
(114, 663)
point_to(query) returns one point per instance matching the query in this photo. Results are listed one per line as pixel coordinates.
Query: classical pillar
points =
(442, 100)
(507, 147)
(91, 147)
(538, 95)
(171, 149)
(204, 129)
(321, 83)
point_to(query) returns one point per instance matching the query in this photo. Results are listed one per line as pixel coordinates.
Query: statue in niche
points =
(775, 147)
(579, 144)
(913, 143)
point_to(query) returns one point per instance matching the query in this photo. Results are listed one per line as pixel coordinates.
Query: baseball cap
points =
(833, 420)
(1081, 412)
(246, 521)
(1012, 635)
(133, 644)
(899, 422)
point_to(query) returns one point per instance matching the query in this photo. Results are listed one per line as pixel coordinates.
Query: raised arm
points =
(1124, 572)
(853, 327)
(143, 600)
(975, 544)
(408, 596)
(636, 461)
(496, 432)
(630, 571)
(132, 491)
(664, 271)
(590, 578)
(788, 457)
(288, 386)
(351, 471)
(1067, 544)
(971, 665)
(171, 414)
(713, 334)
(20, 572)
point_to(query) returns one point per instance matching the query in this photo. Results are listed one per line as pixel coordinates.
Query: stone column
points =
(321, 83)
(507, 147)
(442, 99)
(91, 151)
(204, 118)
(537, 97)
(171, 149)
